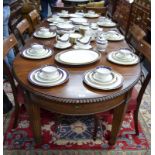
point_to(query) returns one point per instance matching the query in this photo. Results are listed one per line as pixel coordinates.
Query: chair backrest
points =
(8, 43)
(100, 10)
(34, 18)
(59, 9)
(22, 28)
(145, 49)
(136, 33)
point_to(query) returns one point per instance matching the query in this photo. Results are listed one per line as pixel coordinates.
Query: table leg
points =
(118, 117)
(34, 114)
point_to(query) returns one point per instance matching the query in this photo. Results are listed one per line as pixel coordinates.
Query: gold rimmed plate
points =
(115, 85)
(77, 57)
(47, 54)
(32, 78)
(111, 57)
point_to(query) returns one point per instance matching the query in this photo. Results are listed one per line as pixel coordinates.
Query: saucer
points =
(62, 15)
(117, 82)
(47, 54)
(51, 35)
(114, 37)
(37, 81)
(55, 20)
(86, 47)
(62, 47)
(111, 57)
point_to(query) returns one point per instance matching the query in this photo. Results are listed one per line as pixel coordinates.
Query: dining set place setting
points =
(76, 50)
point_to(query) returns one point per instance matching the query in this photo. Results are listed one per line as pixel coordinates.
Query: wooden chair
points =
(59, 9)
(24, 30)
(136, 97)
(9, 43)
(34, 19)
(100, 10)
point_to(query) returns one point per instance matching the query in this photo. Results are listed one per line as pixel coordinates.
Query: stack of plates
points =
(94, 15)
(56, 20)
(114, 83)
(106, 23)
(31, 55)
(78, 21)
(77, 57)
(113, 36)
(44, 36)
(130, 59)
(36, 78)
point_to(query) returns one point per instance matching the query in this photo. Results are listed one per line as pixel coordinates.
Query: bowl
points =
(124, 53)
(49, 73)
(102, 74)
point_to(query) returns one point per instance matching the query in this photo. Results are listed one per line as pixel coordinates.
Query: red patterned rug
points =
(73, 133)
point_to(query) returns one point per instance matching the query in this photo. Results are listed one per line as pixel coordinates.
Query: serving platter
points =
(112, 58)
(35, 34)
(77, 57)
(27, 54)
(64, 76)
(117, 81)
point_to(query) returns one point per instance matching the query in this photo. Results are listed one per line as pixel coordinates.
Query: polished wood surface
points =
(74, 97)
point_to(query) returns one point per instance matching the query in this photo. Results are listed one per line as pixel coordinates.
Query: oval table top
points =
(74, 90)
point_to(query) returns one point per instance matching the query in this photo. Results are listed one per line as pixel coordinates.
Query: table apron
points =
(77, 109)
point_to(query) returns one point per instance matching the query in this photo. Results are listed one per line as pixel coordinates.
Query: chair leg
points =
(136, 122)
(96, 123)
(16, 115)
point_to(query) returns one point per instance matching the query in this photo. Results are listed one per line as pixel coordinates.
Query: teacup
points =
(49, 73)
(103, 74)
(64, 12)
(124, 53)
(91, 12)
(43, 31)
(73, 37)
(83, 28)
(36, 49)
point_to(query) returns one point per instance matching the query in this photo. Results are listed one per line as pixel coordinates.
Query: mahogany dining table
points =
(74, 97)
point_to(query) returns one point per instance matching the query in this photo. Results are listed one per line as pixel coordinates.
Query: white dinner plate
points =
(46, 55)
(62, 47)
(55, 20)
(51, 35)
(63, 15)
(78, 20)
(114, 37)
(88, 15)
(86, 47)
(117, 84)
(77, 57)
(106, 24)
(33, 80)
(111, 57)
(75, 15)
